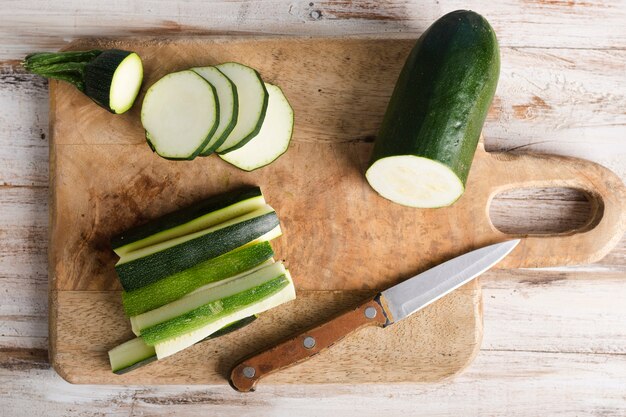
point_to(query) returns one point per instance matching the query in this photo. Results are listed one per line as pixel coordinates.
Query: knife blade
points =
(386, 308)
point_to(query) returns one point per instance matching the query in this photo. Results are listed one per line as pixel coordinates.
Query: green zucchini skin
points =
(221, 332)
(185, 215)
(152, 268)
(175, 286)
(442, 96)
(99, 75)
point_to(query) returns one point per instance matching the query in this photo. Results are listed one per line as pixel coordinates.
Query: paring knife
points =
(386, 308)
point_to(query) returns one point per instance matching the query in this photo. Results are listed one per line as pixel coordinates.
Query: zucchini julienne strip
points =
(135, 353)
(204, 295)
(201, 215)
(213, 311)
(145, 266)
(214, 270)
(281, 291)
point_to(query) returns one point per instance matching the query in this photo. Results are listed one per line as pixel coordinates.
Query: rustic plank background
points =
(555, 339)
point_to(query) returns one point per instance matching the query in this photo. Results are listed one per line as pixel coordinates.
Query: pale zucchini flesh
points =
(253, 100)
(415, 181)
(176, 344)
(273, 138)
(229, 106)
(206, 294)
(181, 113)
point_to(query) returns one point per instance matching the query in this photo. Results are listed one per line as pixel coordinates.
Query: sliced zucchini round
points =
(415, 181)
(253, 98)
(180, 112)
(229, 105)
(273, 138)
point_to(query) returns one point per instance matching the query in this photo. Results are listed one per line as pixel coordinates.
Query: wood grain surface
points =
(554, 338)
(339, 235)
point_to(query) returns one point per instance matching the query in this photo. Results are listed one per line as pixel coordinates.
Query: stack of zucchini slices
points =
(198, 273)
(226, 109)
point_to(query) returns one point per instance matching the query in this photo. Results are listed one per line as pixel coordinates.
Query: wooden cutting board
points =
(341, 240)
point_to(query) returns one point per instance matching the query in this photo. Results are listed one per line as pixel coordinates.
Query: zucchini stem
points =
(65, 66)
(47, 58)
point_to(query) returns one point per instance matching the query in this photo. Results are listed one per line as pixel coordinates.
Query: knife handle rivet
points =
(370, 312)
(309, 342)
(249, 372)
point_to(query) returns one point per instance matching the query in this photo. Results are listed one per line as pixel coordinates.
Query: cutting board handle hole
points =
(544, 211)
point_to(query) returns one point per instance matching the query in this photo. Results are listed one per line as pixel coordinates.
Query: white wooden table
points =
(555, 340)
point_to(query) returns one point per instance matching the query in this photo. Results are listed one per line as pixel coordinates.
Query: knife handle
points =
(246, 374)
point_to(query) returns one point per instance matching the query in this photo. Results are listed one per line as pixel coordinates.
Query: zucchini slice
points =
(424, 150)
(201, 215)
(180, 112)
(273, 138)
(253, 98)
(135, 353)
(229, 106)
(153, 263)
(142, 323)
(177, 334)
(175, 286)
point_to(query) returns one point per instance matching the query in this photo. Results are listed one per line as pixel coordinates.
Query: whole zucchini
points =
(424, 150)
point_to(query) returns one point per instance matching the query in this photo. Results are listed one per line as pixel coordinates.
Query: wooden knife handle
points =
(246, 374)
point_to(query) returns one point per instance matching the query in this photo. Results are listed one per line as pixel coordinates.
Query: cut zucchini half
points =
(113, 80)
(125, 82)
(214, 315)
(425, 147)
(180, 112)
(273, 138)
(415, 181)
(153, 263)
(214, 270)
(204, 295)
(201, 215)
(253, 99)
(229, 106)
(135, 353)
